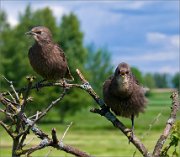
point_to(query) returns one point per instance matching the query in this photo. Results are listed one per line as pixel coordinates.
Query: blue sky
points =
(143, 33)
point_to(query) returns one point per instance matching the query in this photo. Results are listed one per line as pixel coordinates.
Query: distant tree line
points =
(157, 80)
(96, 64)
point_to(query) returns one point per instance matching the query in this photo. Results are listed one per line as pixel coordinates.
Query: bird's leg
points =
(132, 120)
(38, 84)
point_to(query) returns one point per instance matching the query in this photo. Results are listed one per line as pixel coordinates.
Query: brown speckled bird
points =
(123, 94)
(46, 57)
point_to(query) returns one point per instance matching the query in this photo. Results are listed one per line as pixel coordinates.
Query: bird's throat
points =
(122, 84)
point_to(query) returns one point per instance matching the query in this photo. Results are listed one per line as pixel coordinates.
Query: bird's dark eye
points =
(38, 32)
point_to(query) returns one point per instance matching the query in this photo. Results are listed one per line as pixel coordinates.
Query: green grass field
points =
(95, 135)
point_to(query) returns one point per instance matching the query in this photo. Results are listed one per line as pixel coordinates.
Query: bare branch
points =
(169, 124)
(13, 98)
(26, 124)
(40, 85)
(104, 111)
(65, 132)
(12, 87)
(54, 136)
(36, 115)
(28, 142)
(53, 103)
(7, 129)
(1, 110)
(46, 141)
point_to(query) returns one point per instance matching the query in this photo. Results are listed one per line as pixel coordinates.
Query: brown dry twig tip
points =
(169, 124)
(54, 136)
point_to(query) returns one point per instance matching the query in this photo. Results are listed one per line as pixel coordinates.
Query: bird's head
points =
(40, 34)
(122, 73)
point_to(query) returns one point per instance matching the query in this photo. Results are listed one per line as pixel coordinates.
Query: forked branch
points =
(12, 106)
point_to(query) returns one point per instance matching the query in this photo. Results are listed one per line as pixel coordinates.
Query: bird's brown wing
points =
(68, 75)
(106, 85)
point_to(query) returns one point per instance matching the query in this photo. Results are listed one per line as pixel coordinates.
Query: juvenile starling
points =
(46, 57)
(123, 94)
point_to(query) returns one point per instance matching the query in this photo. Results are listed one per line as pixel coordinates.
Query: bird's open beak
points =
(122, 74)
(30, 33)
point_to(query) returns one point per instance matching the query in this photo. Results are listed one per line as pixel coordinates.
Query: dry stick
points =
(13, 89)
(6, 113)
(110, 116)
(149, 129)
(46, 141)
(61, 140)
(40, 85)
(30, 81)
(51, 105)
(106, 114)
(28, 142)
(54, 136)
(32, 123)
(12, 97)
(36, 115)
(1, 110)
(6, 128)
(169, 124)
(19, 121)
(20, 124)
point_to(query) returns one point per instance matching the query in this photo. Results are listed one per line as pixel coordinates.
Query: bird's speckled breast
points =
(46, 63)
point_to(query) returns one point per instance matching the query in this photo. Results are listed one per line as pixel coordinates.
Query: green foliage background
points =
(15, 65)
(95, 63)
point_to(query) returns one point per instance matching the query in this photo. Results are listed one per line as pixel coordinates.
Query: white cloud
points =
(58, 10)
(14, 8)
(133, 5)
(147, 57)
(165, 53)
(175, 40)
(12, 20)
(163, 39)
(95, 20)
